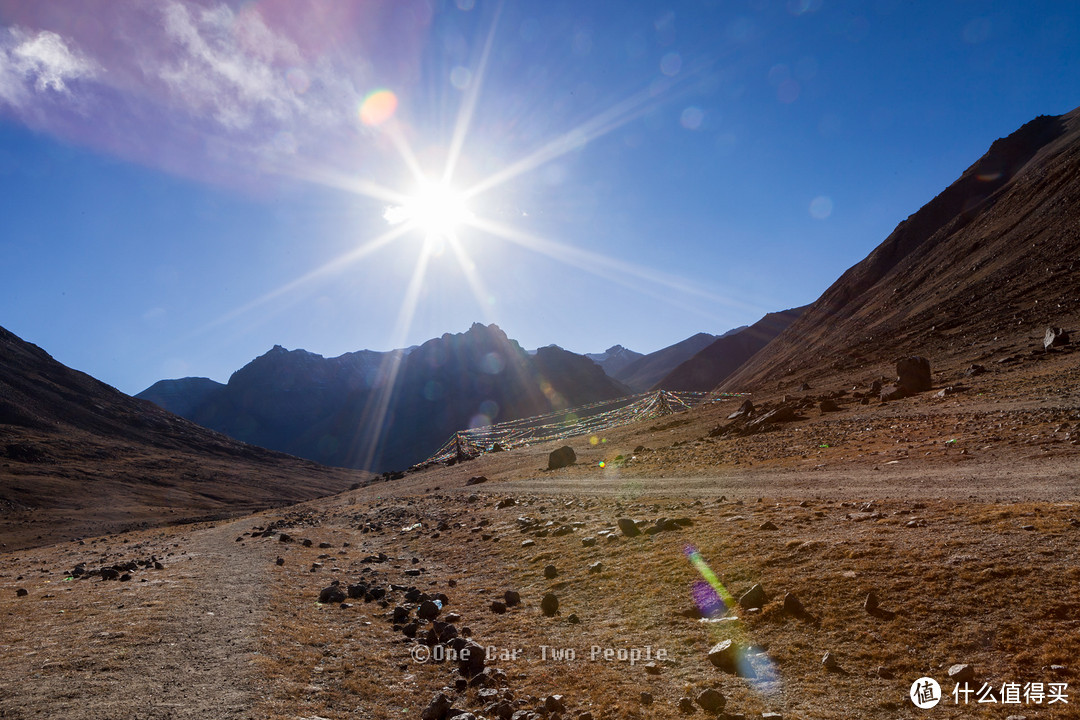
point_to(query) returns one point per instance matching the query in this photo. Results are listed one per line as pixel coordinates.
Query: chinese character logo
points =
(925, 693)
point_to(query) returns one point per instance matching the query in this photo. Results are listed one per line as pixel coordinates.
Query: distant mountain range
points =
(614, 359)
(386, 411)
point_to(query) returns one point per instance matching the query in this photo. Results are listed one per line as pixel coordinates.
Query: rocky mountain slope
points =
(991, 262)
(709, 367)
(643, 373)
(388, 411)
(77, 456)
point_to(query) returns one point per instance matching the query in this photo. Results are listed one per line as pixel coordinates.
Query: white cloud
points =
(41, 63)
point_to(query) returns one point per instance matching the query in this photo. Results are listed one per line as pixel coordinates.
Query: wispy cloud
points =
(206, 87)
(37, 63)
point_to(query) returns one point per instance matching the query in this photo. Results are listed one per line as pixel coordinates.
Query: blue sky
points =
(185, 184)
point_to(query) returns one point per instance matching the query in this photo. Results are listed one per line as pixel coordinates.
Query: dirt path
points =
(175, 643)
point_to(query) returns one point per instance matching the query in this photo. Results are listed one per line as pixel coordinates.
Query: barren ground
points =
(961, 513)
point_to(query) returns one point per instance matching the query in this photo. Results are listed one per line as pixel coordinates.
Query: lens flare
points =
(378, 107)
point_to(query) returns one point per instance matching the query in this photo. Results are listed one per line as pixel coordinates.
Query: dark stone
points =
(285, 538)
(711, 701)
(554, 703)
(686, 705)
(505, 503)
(753, 598)
(646, 698)
(871, 602)
(563, 457)
(471, 659)
(476, 480)
(628, 527)
(357, 591)
(892, 392)
(828, 406)
(428, 610)
(913, 374)
(512, 598)
(549, 605)
(331, 595)
(22, 592)
(498, 607)
(596, 567)
(551, 572)
(401, 614)
(784, 413)
(437, 709)
(962, 673)
(729, 656)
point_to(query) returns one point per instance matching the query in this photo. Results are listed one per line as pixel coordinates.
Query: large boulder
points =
(913, 374)
(563, 457)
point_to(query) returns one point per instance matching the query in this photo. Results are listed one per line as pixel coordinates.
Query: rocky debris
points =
(1055, 337)
(754, 598)
(476, 480)
(280, 561)
(562, 457)
(913, 374)
(974, 370)
(652, 668)
(549, 605)
(745, 411)
(730, 656)
(22, 592)
(828, 661)
(554, 704)
(784, 413)
(573, 619)
(437, 709)
(870, 604)
(512, 598)
(527, 543)
(551, 572)
(768, 525)
(505, 503)
(401, 614)
(596, 567)
(962, 673)
(428, 610)
(711, 701)
(645, 698)
(471, 658)
(828, 405)
(588, 541)
(331, 595)
(794, 607)
(892, 392)
(628, 527)
(498, 607)
(686, 705)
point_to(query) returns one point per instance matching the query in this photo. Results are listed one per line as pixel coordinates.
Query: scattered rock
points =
(22, 592)
(646, 698)
(498, 607)
(280, 561)
(870, 604)
(729, 656)
(437, 709)
(471, 658)
(753, 598)
(827, 406)
(711, 701)
(745, 410)
(892, 392)
(554, 703)
(505, 503)
(794, 606)
(652, 668)
(563, 457)
(549, 605)
(596, 567)
(588, 541)
(331, 595)
(962, 673)
(829, 662)
(551, 572)
(628, 527)
(476, 480)
(767, 525)
(686, 705)
(428, 610)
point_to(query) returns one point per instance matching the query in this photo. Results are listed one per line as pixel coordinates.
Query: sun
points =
(435, 208)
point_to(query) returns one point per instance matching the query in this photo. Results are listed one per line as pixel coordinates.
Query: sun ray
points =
(593, 262)
(476, 284)
(468, 107)
(601, 124)
(376, 410)
(333, 266)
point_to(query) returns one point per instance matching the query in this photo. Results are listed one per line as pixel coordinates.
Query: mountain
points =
(709, 367)
(646, 371)
(79, 457)
(390, 410)
(614, 359)
(182, 395)
(980, 270)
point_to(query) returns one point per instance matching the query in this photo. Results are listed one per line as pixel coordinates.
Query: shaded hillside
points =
(391, 410)
(77, 456)
(183, 395)
(711, 366)
(646, 371)
(990, 261)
